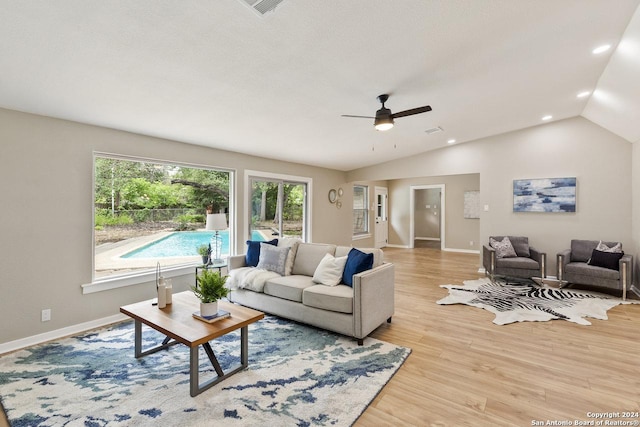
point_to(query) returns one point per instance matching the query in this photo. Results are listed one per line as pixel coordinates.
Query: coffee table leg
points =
(138, 338)
(244, 346)
(195, 387)
(194, 381)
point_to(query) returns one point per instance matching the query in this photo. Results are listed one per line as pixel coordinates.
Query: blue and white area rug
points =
(297, 376)
(521, 302)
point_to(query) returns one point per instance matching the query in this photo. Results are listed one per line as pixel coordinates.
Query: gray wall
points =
(46, 219)
(601, 161)
(458, 230)
(427, 219)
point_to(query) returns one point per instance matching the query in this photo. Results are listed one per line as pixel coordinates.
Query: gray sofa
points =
(573, 267)
(354, 311)
(528, 263)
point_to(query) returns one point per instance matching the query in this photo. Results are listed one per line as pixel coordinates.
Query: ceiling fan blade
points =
(411, 112)
(358, 117)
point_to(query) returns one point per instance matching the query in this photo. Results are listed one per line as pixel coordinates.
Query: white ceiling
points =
(215, 73)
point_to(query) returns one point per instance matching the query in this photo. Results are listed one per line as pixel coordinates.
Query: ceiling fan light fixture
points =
(384, 123)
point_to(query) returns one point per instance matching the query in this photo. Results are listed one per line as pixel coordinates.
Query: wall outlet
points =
(46, 315)
(470, 242)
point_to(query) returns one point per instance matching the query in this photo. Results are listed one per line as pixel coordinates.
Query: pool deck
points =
(108, 256)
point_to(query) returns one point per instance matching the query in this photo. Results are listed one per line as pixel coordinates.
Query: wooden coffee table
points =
(177, 323)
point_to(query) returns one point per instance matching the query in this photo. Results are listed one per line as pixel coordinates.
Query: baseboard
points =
(389, 245)
(59, 333)
(435, 239)
(463, 251)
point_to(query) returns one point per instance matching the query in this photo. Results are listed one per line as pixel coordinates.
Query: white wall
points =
(600, 160)
(46, 216)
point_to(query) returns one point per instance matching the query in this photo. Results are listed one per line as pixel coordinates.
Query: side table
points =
(219, 266)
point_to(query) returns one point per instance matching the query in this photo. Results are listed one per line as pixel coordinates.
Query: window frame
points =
(250, 175)
(367, 231)
(118, 280)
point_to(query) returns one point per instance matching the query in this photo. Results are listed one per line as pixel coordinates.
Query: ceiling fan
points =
(384, 117)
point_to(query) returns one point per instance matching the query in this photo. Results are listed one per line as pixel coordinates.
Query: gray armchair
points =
(529, 262)
(573, 267)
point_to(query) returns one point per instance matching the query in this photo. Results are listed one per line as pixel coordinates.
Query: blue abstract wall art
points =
(544, 195)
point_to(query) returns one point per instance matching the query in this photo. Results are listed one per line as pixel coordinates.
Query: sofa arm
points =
(541, 258)
(563, 259)
(373, 298)
(236, 261)
(625, 266)
(488, 259)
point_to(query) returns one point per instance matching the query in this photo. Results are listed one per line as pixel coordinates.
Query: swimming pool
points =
(183, 243)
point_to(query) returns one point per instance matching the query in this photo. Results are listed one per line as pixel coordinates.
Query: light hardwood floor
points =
(466, 371)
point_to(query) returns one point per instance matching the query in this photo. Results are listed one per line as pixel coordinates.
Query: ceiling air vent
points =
(434, 130)
(262, 6)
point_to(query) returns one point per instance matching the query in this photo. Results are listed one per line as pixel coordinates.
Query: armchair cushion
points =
(581, 249)
(503, 248)
(608, 260)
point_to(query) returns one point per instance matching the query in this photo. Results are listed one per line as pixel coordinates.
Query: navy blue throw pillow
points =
(608, 260)
(357, 262)
(253, 251)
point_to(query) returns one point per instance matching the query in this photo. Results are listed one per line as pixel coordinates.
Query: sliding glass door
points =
(278, 208)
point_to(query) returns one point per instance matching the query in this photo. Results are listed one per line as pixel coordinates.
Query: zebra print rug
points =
(522, 302)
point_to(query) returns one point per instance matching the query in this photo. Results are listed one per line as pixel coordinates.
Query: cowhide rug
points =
(521, 302)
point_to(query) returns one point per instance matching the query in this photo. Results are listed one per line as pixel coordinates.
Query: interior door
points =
(382, 217)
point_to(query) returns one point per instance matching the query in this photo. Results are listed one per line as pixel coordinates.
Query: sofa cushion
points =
(608, 260)
(273, 258)
(329, 271)
(582, 268)
(333, 298)
(253, 251)
(520, 244)
(503, 248)
(517, 262)
(357, 262)
(309, 256)
(581, 249)
(288, 287)
(378, 255)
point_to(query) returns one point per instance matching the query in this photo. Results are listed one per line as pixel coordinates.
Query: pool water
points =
(183, 243)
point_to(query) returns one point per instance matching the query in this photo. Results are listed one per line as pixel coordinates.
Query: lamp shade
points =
(216, 222)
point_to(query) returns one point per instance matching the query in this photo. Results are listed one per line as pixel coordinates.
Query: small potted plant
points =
(205, 252)
(209, 289)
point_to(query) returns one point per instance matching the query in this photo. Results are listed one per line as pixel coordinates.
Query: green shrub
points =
(105, 219)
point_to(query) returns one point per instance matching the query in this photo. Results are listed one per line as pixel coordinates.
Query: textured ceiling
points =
(215, 73)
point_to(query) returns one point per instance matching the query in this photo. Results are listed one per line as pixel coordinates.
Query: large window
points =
(149, 212)
(278, 208)
(360, 209)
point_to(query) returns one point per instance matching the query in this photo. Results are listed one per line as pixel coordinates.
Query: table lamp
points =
(216, 222)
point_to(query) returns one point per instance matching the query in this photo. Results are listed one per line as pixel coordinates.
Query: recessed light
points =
(545, 118)
(601, 49)
(451, 141)
(584, 94)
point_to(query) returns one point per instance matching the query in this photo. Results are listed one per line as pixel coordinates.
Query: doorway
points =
(427, 216)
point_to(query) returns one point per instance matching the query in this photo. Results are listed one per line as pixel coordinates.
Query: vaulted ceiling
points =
(218, 74)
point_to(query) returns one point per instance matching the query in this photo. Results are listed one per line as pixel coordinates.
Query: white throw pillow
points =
(616, 249)
(329, 271)
(272, 258)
